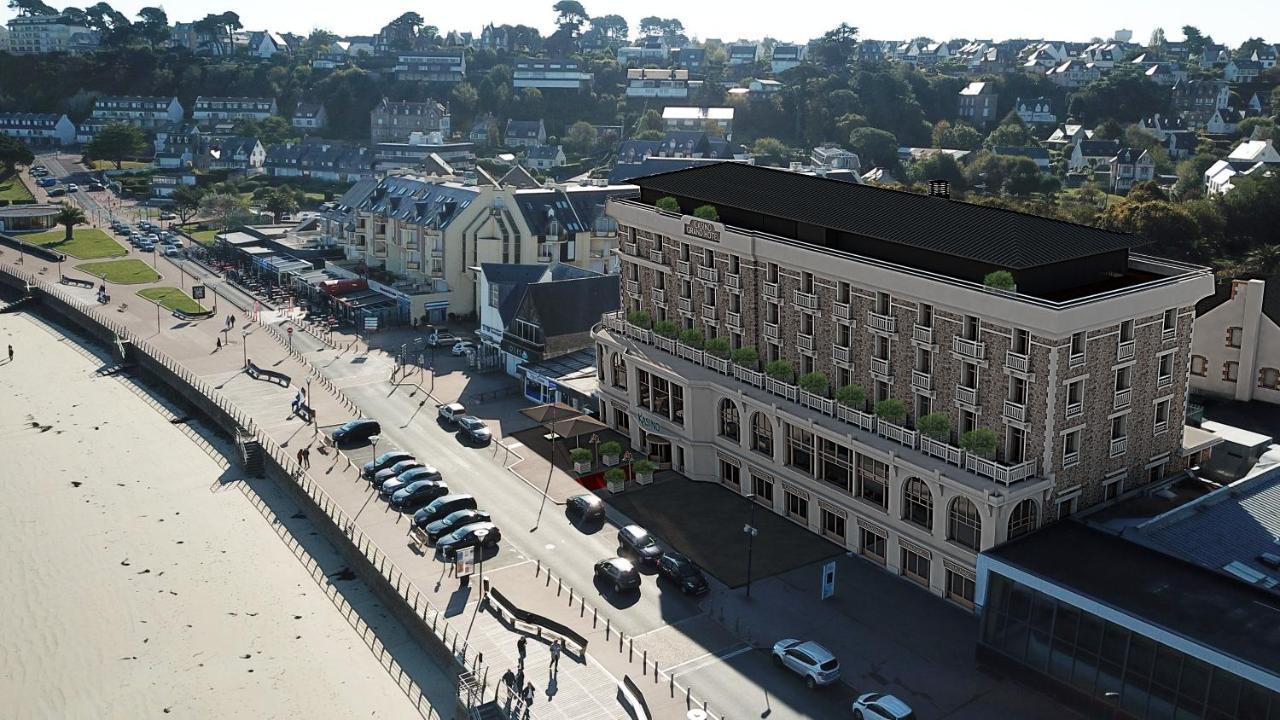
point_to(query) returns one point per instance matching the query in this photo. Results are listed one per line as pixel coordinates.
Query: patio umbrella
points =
(563, 420)
(576, 427)
(542, 414)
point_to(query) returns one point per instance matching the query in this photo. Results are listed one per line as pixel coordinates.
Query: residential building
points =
(1159, 126)
(177, 144)
(760, 88)
(1036, 111)
(4, 38)
(977, 104)
(833, 157)
(1235, 347)
(1038, 155)
(1180, 144)
(1223, 121)
(743, 54)
(1092, 154)
(39, 130)
(545, 157)
(485, 130)
(264, 44)
(310, 116)
(1165, 74)
(1197, 100)
(145, 112)
(319, 159)
(689, 58)
(1241, 71)
(677, 117)
(437, 67)
(870, 52)
(1265, 56)
(1066, 135)
(41, 34)
(394, 121)
(680, 143)
(1247, 158)
(930, 54)
(245, 154)
(786, 56)
(524, 133)
(209, 110)
(1131, 166)
(428, 233)
(648, 50)
(879, 175)
(657, 83)
(87, 130)
(423, 149)
(1080, 373)
(1074, 74)
(551, 75)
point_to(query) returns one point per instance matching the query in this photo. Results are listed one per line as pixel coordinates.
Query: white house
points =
(1241, 71)
(264, 44)
(209, 109)
(657, 82)
(545, 157)
(1074, 74)
(310, 116)
(1092, 154)
(744, 54)
(555, 74)
(146, 112)
(1247, 158)
(39, 34)
(1235, 342)
(1035, 111)
(787, 56)
(760, 87)
(525, 133)
(678, 117)
(1224, 121)
(1130, 166)
(38, 129)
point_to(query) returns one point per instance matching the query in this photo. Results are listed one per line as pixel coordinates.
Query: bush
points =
(780, 370)
(580, 455)
(611, 448)
(891, 410)
(615, 475)
(718, 346)
(853, 396)
(666, 329)
(980, 442)
(644, 466)
(668, 203)
(707, 212)
(745, 356)
(1000, 280)
(814, 382)
(936, 425)
(692, 338)
(640, 318)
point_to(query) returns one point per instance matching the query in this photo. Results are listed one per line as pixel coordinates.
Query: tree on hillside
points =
(319, 41)
(770, 151)
(581, 138)
(69, 216)
(14, 152)
(957, 137)
(940, 166)
(1195, 40)
(27, 8)
(222, 26)
(228, 209)
(153, 26)
(1171, 230)
(570, 14)
(116, 143)
(874, 147)
(613, 27)
(282, 200)
(835, 49)
(1012, 132)
(186, 201)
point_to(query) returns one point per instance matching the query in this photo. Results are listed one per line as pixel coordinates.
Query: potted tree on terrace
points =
(892, 410)
(852, 396)
(581, 458)
(615, 479)
(610, 452)
(981, 442)
(643, 469)
(935, 425)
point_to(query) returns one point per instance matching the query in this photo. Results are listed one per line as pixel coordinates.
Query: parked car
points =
(417, 493)
(639, 542)
(680, 570)
(462, 347)
(45, 182)
(386, 474)
(356, 431)
(57, 192)
(876, 706)
(170, 251)
(72, 187)
(168, 216)
(454, 520)
(389, 486)
(442, 506)
(474, 430)
(97, 187)
(619, 572)
(384, 461)
(809, 659)
(469, 536)
(443, 338)
(589, 506)
(450, 412)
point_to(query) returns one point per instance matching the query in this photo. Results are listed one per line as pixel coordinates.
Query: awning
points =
(345, 286)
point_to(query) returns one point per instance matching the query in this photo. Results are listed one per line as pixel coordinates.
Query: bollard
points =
(538, 570)
(686, 697)
(606, 628)
(621, 638)
(645, 663)
(559, 587)
(595, 615)
(582, 608)
(673, 680)
(570, 597)
(631, 649)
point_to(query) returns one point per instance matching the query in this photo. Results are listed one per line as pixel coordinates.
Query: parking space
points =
(780, 693)
(705, 521)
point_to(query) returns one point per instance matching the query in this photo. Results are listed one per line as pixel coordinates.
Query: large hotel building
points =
(1080, 371)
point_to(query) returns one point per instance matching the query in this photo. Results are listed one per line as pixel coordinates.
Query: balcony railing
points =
(1015, 411)
(708, 274)
(969, 348)
(1169, 334)
(1118, 446)
(685, 305)
(1123, 398)
(1164, 381)
(1161, 426)
(629, 248)
(841, 311)
(1125, 351)
(1071, 458)
(733, 281)
(880, 367)
(804, 342)
(921, 380)
(771, 289)
(682, 267)
(1075, 409)
(659, 296)
(841, 354)
(733, 319)
(658, 257)
(922, 334)
(1017, 361)
(967, 396)
(808, 301)
(1076, 360)
(633, 287)
(771, 331)
(709, 312)
(1005, 474)
(883, 323)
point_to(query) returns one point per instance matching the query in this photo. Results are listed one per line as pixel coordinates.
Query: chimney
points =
(940, 189)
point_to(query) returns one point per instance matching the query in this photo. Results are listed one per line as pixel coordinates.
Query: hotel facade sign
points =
(702, 229)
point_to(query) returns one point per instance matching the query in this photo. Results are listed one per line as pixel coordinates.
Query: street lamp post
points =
(244, 346)
(751, 532)
(481, 534)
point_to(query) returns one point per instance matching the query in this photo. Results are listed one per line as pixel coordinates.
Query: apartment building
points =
(677, 117)
(392, 121)
(1236, 349)
(148, 112)
(976, 103)
(1080, 373)
(657, 83)
(556, 74)
(209, 109)
(39, 34)
(38, 129)
(441, 67)
(430, 232)
(310, 116)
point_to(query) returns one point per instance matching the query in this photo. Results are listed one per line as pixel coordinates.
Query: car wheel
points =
(857, 715)
(777, 660)
(810, 683)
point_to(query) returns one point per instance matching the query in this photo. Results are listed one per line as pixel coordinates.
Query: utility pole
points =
(751, 532)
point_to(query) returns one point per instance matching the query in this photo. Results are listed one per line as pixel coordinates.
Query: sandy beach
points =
(142, 581)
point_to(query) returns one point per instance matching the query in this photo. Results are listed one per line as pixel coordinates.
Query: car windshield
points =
(472, 423)
(456, 517)
(350, 424)
(643, 539)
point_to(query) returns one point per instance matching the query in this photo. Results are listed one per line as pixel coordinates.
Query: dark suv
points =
(354, 432)
(639, 542)
(620, 573)
(679, 569)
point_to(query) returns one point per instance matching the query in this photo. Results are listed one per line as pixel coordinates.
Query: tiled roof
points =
(990, 235)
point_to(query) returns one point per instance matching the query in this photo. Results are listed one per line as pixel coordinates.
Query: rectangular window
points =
(832, 523)
(835, 464)
(800, 449)
(873, 481)
(771, 272)
(1170, 320)
(883, 303)
(1071, 448)
(843, 335)
(1231, 371)
(493, 295)
(1199, 365)
(1124, 378)
(1119, 427)
(1164, 374)
(972, 327)
(1234, 336)
(960, 588)
(677, 404)
(924, 315)
(1126, 331)
(842, 292)
(643, 389)
(1021, 342)
(1162, 416)
(730, 474)
(762, 488)
(797, 506)
(871, 544)
(915, 566)
(969, 375)
(1077, 348)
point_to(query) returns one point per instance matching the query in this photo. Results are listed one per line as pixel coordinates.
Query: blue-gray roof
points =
(574, 211)
(408, 198)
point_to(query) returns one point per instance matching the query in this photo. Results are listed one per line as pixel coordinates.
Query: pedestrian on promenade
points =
(218, 345)
(521, 647)
(509, 679)
(555, 655)
(306, 458)
(299, 456)
(528, 695)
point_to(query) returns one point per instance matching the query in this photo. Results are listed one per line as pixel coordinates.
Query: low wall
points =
(24, 247)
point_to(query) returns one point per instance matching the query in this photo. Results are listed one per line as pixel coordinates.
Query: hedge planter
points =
(643, 471)
(615, 479)
(581, 458)
(610, 452)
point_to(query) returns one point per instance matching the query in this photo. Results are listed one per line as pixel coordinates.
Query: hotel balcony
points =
(1123, 398)
(1015, 361)
(921, 380)
(842, 355)
(967, 396)
(880, 369)
(922, 334)
(883, 323)
(733, 281)
(657, 257)
(1125, 351)
(771, 289)
(840, 311)
(708, 274)
(808, 301)
(1015, 411)
(969, 348)
(804, 342)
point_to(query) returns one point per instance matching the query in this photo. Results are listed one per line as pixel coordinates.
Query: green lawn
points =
(126, 165)
(11, 189)
(86, 243)
(121, 272)
(172, 299)
(204, 237)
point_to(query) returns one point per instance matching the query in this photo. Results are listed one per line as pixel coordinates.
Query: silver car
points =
(809, 659)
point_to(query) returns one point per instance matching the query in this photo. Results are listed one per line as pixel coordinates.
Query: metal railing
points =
(922, 334)
(771, 331)
(685, 305)
(1015, 411)
(804, 342)
(967, 395)
(921, 380)
(1119, 445)
(969, 348)
(733, 319)
(708, 274)
(1017, 361)
(733, 281)
(659, 296)
(881, 322)
(771, 289)
(1123, 398)
(682, 267)
(658, 257)
(1125, 350)
(808, 301)
(841, 354)
(841, 311)
(880, 366)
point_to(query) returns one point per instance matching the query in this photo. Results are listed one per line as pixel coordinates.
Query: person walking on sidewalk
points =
(217, 345)
(299, 456)
(528, 695)
(306, 458)
(521, 647)
(556, 647)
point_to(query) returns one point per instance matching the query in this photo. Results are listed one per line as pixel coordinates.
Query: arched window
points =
(964, 525)
(917, 503)
(761, 434)
(729, 420)
(619, 372)
(1023, 518)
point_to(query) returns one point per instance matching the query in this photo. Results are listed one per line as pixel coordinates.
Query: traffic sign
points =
(371, 323)
(197, 292)
(828, 580)
(464, 561)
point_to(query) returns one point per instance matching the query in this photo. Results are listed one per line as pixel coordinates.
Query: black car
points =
(454, 520)
(384, 461)
(640, 543)
(442, 506)
(679, 569)
(409, 476)
(620, 573)
(473, 429)
(469, 536)
(399, 468)
(417, 493)
(353, 432)
(589, 506)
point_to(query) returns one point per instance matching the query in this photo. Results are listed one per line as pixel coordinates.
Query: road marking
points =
(513, 445)
(670, 625)
(716, 658)
(549, 546)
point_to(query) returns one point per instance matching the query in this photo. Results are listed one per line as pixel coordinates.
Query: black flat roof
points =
(1208, 607)
(995, 236)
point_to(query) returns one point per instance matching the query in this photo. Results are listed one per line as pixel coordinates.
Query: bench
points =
(77, 282)
(266, 375)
